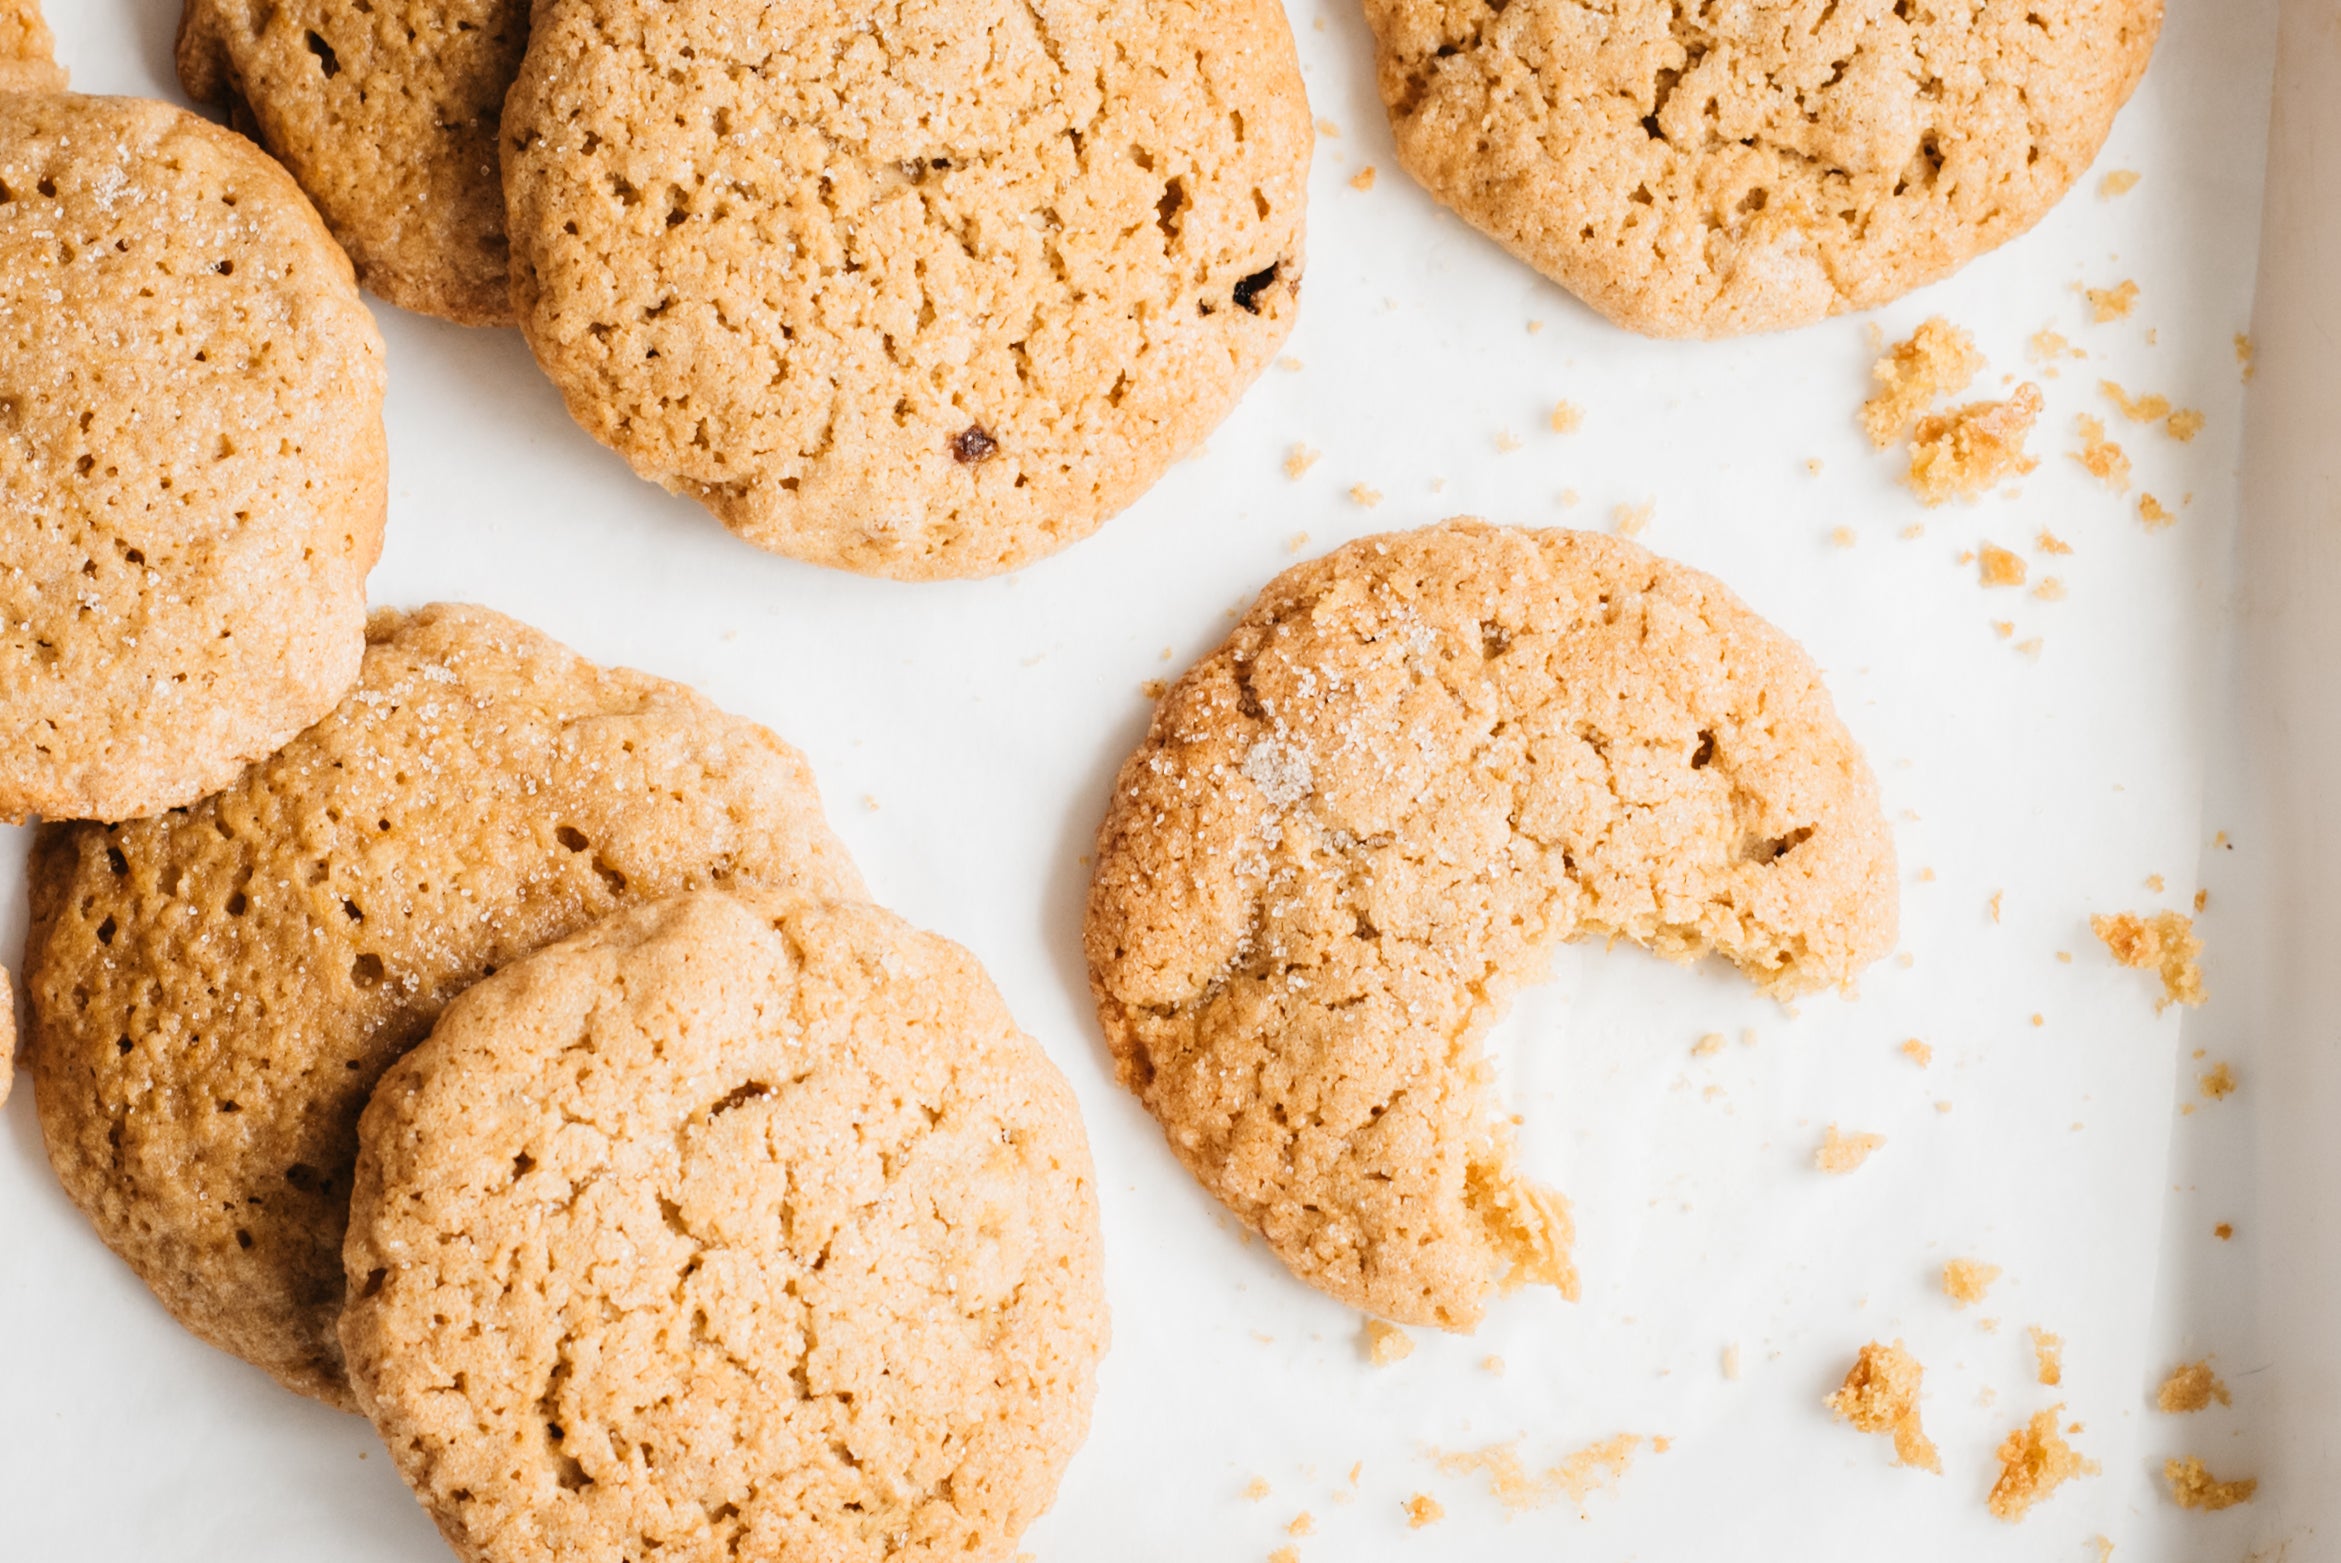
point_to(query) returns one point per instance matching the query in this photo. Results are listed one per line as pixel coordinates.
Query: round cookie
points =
(193, 483)
(923, 288)
(1418, 765)
(728, 1229)
(215, 992)
(1706, 171)
(387, 114)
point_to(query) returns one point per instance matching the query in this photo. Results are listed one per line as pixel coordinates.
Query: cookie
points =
(925, 288)
(387, 114)
(215, 992)
(730, 1228)
(28, 51)
(1416, 766)
(193, 477)
(1707, 171)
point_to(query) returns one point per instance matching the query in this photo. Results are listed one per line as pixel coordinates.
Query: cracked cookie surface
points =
(729, 1228)
(214, 992)
(924, 288)
(1416, 766)
(387, 113)
(194, 476)
(1695, 168)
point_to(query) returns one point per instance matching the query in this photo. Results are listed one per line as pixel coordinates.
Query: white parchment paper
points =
(965, 736)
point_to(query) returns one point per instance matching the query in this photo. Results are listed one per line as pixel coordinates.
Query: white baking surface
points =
(965, 736)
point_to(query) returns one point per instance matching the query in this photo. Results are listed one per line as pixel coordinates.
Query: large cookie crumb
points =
(1935, 361)
(1965, 1281)
(1880, 1395)
(2034, 1461)
(2190, 1387)
(2160, 942)
(2193, 1487)
(1964, 453)
(1842, 1153)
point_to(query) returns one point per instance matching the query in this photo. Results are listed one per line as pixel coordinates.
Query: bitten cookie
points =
(1711, 170)
(730, 1228)
(193, 479)
(387, 114)
(215, 992)
(921, 288)
(1418, 765)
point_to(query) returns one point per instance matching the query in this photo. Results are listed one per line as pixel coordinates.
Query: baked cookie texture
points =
(193, 483)
(28, 50)
(919, 288)
(730, 1228)
(1706, 169)
(387, 114)
(1416, 766)
(215, 992)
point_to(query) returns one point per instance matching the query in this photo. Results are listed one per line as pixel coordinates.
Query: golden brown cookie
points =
(28, 51)
(387, 114)
(193, 476)
(1709, 170)
(1417, 766)
(921, 288)
(729, 1228)
(215, 992)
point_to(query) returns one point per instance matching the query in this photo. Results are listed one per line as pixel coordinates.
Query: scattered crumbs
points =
(2000, 567)
(1257, 1488)
(1731, 1360)
(1708, 1046)
(1303, 1524)
(2103, 459)
(1363, 179)
(1298, 541)
(1507, 441)
(1328, 130)
(1918, 1052)
(2184, 424)
(2111, 303)
(2120, 182)
(1966, 1280)
(1842, 1153)
(1578, 1475)
(1152, 689)
(1843, 537)
(2048, 346)
(2164, 943)
(2192, 1487)
(2224, 1231)
(2035, 1461)
(1567, 418)
(1361, 494)
(2190, 1387)
(2049, 543)
(2219, 1082)
(1965, 452)
(1629, 520)
(1386, 1343)
(1423, 1509)
(2244, 353)
(2048, 1355)
(1880, 1395)
(1289, 365)
(1299, 460)
(1996, 896)
(1937, 360)
(2154, 513)
(2138, 409)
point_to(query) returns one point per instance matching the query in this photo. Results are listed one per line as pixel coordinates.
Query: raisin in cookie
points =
(1704, 170)
(214, 992)
(920, 288)
(729, 1228)
(1418, 765)
(194, 475)
(387, 114)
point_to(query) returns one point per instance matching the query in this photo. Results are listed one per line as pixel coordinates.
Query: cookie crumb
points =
(2150, 408)
(1361, 494)
(2104, 1546)
(2245, 352)
(1963, 453)
(2224, 1231)
(1994, 903)
(1566, 418)
(2106, 304)
(1299, 460)
(1842, 1153)
(1578, 1475)
(1423, 1509)
(2120, 182)
(1329, 130)
(1363, 179)
(2048, 346)
(1257, 1488)
(2184, 424)
(2102, 458)
(2218, 1082)
(2048, 1356)
(2154, 513)
(2035, 1461)
(1730, 1364)
(1918, 1052)
(1708, 1046)
(1152, 689)
(1965, 1281)
(1289, 365)
(2164, 943)
(2049, 543)
(1386, 1343)
(1492, 1364)
(2001, 567)
(1880, 1395)
(1303, 1524)
(1629, 520)
(1937, 360)
(1285, 1555)
(1843, 537)
(2050, 589)
(1297, 542)
(2192, 1487)
(1507, 441)
(2190, 1387)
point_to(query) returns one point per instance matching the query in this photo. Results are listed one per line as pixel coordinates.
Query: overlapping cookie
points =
(214, 993)
(193, 486)
(387, 114)
(923, 288)
(730, 1228)
(1415, 767)
(1694, 170)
